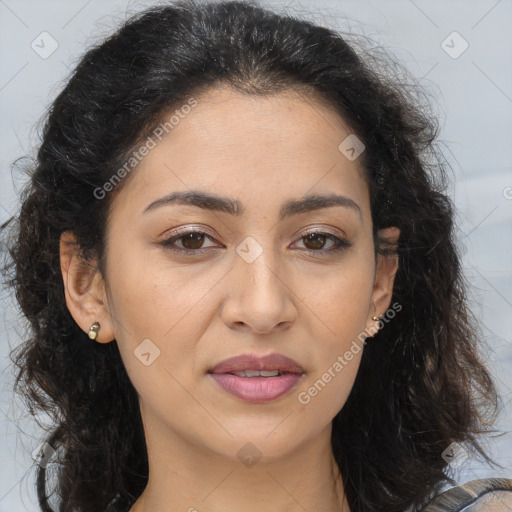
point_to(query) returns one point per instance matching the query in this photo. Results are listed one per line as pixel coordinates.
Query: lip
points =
(257, 389)
(253, 362)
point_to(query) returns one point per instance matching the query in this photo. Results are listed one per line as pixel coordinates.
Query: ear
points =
(386, 268)
(84, 289)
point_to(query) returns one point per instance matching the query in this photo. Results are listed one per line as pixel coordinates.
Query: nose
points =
(260, 298)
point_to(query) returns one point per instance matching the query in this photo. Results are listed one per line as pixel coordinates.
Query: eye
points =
(315, 242)
(191, 241)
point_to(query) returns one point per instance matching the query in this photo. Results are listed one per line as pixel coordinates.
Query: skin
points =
(200, 310)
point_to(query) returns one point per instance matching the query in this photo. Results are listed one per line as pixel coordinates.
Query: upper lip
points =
(253, 362)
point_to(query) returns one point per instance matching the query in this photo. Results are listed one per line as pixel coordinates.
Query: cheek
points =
(340, 308)
(340, 296)
(153, 296)
(337, 351)
(323, 395)
(167, 303)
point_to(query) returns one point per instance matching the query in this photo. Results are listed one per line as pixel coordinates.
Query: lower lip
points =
(257, 389)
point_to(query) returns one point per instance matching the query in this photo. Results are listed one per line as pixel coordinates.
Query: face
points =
(256, 270)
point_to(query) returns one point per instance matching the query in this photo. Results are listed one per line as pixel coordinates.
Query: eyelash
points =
(341, 244)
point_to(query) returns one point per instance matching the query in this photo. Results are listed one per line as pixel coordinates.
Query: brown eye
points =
(315, 241)
(190, 242)
(193, 240)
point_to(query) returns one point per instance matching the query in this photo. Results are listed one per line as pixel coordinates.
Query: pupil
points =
(190, 238)
(315, 236)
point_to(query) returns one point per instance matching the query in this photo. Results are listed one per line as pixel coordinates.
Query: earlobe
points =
(84, 290)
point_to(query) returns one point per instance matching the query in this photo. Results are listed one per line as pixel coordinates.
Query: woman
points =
(238, 262)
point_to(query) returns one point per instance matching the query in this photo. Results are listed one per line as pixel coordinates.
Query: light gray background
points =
(473, 100)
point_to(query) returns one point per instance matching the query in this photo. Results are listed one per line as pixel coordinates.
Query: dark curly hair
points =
(421, 385)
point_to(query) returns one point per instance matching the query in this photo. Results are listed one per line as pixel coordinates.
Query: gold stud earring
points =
(93, 330)
(375, 317)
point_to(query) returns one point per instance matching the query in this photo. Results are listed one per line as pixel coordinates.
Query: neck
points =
(187, 477)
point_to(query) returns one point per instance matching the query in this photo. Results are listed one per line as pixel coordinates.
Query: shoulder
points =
(485, 495)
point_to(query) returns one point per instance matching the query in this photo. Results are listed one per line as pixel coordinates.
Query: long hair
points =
(421, 384)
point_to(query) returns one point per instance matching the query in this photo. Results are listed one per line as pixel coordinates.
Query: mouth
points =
(257, 379)
(258, 373)
(248, 364)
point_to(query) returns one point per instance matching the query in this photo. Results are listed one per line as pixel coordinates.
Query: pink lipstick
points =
(257, 379)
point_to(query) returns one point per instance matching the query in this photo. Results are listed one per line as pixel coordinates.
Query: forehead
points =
(289, 122)
(254, 146)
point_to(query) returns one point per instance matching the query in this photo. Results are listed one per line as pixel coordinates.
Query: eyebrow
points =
(234, 207)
